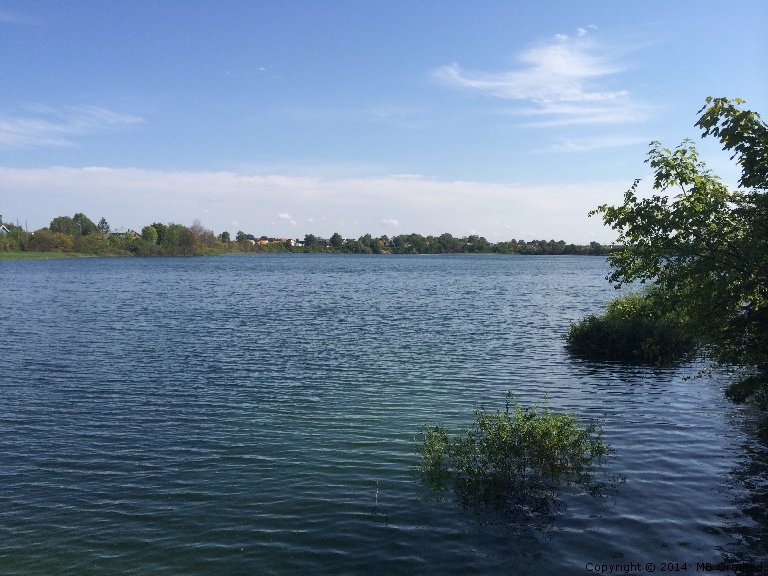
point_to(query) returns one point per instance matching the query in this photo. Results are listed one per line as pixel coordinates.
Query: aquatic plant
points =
(645, 328)
(514, 460)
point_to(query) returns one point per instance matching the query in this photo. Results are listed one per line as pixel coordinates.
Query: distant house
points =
(323, 243)
(124, 233)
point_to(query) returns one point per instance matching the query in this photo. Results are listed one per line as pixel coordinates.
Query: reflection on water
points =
(750, 487)
(259, 414)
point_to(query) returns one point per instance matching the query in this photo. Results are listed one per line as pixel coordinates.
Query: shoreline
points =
(13, 256)
(46, 255)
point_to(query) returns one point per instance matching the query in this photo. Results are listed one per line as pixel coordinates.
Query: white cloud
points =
(45, 126)
(580, 32)
(564, 114)
(390, 222)
(561, 36)
(286, 216)
(561, 80)
(136, 197)
(596, 143)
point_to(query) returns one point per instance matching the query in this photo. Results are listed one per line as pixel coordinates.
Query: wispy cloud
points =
(390, 222)
(596, 143)
(8, 18)
(563, 80)
(46, 126)
(286, 216)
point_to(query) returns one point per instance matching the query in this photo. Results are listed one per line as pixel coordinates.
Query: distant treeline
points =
(79, 234)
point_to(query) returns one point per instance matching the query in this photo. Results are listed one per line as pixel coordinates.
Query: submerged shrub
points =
(512, 460)
(636, 329)
(750, 387)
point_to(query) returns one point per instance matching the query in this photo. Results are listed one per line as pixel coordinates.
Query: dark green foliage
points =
(707, 246)
(84, 224)
(742, 132)
(161, 229)
(15, 241)
(178, 239)
(753, 386)
(63, 225)
(78, 225)
(512, 460)
(636, 329)
(103, 226)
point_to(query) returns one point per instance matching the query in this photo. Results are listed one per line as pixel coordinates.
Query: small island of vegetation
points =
(513, 462)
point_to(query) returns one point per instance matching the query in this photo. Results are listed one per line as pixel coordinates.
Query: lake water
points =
(257, 415)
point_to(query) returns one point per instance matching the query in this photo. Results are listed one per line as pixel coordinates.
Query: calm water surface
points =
(257, 415)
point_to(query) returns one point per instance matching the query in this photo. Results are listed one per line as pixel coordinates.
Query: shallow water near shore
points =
(258, 414)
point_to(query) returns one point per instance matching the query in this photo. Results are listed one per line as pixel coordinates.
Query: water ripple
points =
(258, 415)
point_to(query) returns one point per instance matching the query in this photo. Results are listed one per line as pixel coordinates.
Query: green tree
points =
(417, 244)
(336, 240)
(446, 243)
(224, 237)
(596, 248)
(149, 234)
(64, 225)
(161, 229)
(103, 226)
(368, 245)
(93, 244)
(179, 239)
(310, 241)
(84, 224)
(706, 247)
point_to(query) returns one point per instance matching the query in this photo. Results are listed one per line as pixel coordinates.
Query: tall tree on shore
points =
(705, 248)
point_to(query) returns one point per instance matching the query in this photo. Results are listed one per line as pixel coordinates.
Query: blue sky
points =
(510, 120)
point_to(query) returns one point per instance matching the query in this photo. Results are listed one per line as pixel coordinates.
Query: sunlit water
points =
(257, 415)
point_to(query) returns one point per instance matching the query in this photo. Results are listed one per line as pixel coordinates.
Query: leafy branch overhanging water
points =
(704, 250)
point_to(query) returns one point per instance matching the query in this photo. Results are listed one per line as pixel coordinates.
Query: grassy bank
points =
(40, 255)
